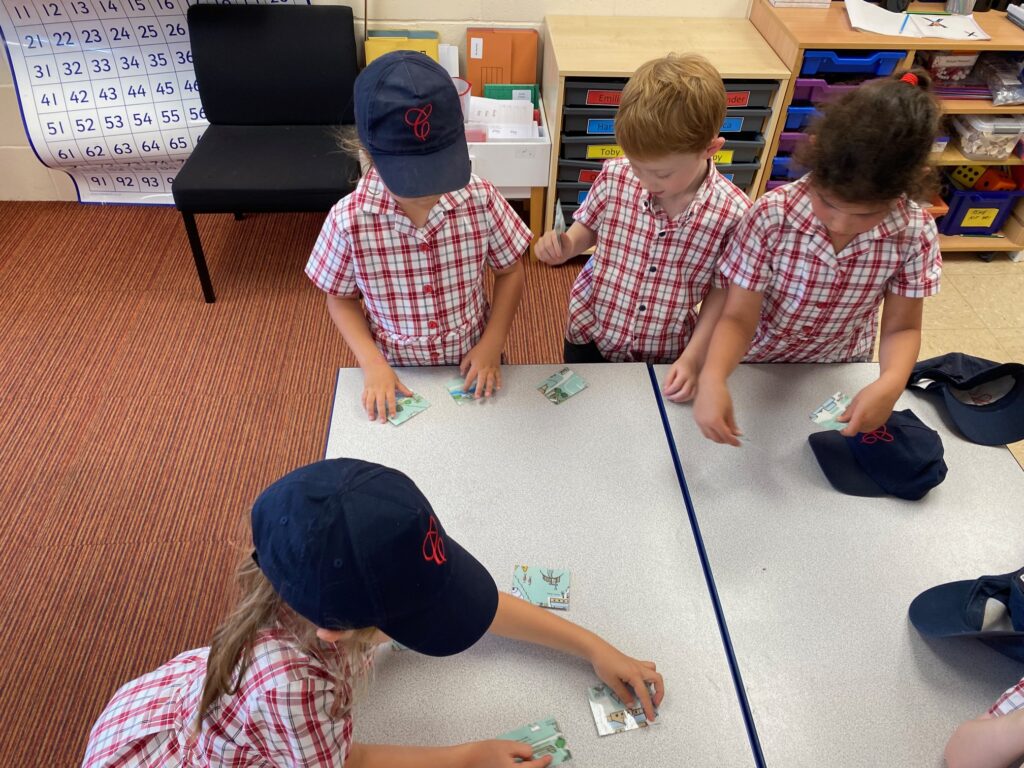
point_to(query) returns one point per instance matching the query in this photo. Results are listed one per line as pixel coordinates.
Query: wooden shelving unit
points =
(791, 31)
(605, 47)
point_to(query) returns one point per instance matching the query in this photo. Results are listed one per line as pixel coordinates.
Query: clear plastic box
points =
(949, 65)
(988, 137)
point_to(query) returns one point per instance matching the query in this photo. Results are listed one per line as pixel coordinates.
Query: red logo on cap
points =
(418, 118)
(870, 438)
(433, 544)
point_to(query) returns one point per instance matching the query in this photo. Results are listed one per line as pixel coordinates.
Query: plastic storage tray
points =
(750, 94)
(975, 212)
(816, 90)
(798, 118)
(740, 174)
(589, 121)
(784, 168)
(740, 151)
(572, 192)
(589, 148)
(988, 137)
(593, 93)
(745, 120)
(789, 139)
(776, 183)
(579, 171)
(879, 63)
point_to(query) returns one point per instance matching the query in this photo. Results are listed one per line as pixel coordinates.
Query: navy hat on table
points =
(957, 609)
(984, 398)
(349, 544)
(901, 458)
(409, 118)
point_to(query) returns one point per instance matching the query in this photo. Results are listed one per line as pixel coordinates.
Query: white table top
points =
(586, 485)
(815, 585)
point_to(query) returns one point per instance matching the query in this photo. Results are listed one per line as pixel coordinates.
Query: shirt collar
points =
(645, 200)
(373, 197)
(893, 225)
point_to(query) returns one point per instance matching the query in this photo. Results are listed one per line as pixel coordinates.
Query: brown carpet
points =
(136, 426)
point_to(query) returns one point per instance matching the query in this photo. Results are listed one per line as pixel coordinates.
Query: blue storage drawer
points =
(785, 168)
(879, 63)
(798, 118)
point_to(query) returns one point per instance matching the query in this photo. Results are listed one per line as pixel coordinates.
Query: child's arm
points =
(521, 620)
(897, 352)
(482, 363)
(379, 380)
(681, 381)
(712, 409)
(554, 248)
(988, 742)
(477, 754)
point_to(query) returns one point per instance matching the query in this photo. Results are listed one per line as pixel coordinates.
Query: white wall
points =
(23, 177)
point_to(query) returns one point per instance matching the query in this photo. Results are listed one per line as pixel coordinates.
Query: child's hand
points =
(497, 753)
(554, 248)
(624, 675)
(379, 385)
(870, 409)
(482, 364)
(712, 410)
(681, 381)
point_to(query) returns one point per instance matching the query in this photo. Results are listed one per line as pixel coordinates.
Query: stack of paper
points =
(508, 119)
(868, 17)
(800, 3)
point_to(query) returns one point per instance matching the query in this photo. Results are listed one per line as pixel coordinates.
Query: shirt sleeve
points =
(747, 257)
(920, 273)
(591, 211)
(1010, 701)
(508, 236)
(293, 726)
(330, 264)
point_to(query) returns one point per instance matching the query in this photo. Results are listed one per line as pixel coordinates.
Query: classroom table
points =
(815, 585)
(587, 485)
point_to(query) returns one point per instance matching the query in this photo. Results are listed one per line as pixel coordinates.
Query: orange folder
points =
(500, 56)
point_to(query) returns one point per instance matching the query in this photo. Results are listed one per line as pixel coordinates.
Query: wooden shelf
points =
(978, 106)
(951, 243)
(953, 156)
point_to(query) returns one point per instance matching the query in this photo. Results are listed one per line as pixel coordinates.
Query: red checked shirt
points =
(1010, 701)
(279, 717)
(423, 288)
(636, 296)
(820, 307)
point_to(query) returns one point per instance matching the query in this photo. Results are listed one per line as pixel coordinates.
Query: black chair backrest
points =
(274, 64)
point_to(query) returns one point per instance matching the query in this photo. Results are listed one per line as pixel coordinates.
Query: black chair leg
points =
(197, 254)
(239, 216)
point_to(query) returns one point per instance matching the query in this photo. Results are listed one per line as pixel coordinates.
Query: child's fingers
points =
(542, 762)
(624, 692)
(659, 684)
(471, 376)
(401, 387)
(490, 377)
(519, 749)
(687, 391)
(640, 686)
(390, 406)
(671, 384)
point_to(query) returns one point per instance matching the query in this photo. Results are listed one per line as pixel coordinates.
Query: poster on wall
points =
(107, 91)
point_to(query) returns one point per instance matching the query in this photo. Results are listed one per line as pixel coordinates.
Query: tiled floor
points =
(979, 311)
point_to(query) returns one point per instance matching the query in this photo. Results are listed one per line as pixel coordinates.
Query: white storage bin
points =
(514, 166)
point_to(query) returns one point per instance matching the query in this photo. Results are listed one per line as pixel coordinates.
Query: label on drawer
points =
(732, 124)
(581, 196)
(979, 217)
(522, 94)
(723, 156)
(600, 126)
(476, 47)
(587, 176)
(737, 98)
(603, 151)
(603, 98)
(729, 176)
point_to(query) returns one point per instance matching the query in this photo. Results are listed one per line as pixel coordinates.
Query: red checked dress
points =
(280, 716)
(1010, 701)
(423, 289)
(820, 307)
(636, 296)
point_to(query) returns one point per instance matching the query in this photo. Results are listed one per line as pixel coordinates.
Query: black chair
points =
(276, 83)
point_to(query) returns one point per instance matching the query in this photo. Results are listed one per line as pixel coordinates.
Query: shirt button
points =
(822, 305)
(653, 270)
(428, 289)
(662, 233)
(642, 307)
(432, 325)
(808, 328)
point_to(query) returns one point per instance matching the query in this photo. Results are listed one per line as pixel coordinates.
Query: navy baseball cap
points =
(409, 119)
(957, 609)
(901, 458)
(348, 544)
(984, 398)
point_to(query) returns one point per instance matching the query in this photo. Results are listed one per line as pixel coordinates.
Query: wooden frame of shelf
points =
(791, 31)
(600, 47)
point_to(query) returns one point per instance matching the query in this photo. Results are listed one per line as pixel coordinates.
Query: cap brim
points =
(440, 172)
(998, 423)
(939, 612)
(840, 467)
(455, 618)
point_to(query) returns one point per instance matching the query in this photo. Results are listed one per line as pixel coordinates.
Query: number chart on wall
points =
(107, 91)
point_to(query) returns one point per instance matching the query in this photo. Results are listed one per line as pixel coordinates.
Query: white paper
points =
(507, 131)
(107, 91)
(449, 58)
(872, 18)
(483, 110)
